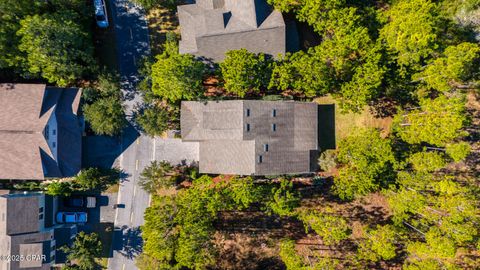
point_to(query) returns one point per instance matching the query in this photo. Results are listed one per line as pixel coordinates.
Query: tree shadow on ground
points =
(128, 241)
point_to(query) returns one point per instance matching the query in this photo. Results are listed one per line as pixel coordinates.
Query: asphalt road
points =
(131, 33)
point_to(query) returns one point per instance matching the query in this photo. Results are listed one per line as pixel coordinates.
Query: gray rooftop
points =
(22, 231)
(26, 153)
(210, 28)
(252, 137)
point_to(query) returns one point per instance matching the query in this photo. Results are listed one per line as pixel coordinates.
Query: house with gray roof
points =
(252, 137)
(40, 133)
(26, 232)
(209, 28)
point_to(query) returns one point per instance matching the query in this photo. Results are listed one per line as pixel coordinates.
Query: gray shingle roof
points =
(210, 28)
(235, 135)
(26, 109)
(22, 232)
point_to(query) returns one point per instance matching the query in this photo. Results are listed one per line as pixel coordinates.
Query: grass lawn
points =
(113, 189)
(161, 20)
(346, 123)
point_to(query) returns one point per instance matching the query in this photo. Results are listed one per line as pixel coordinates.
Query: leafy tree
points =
(84, 250)
(159, 233)
(58, 188)
(244, 71)
(379, 244)
(159, 174)
(155, 120)
(56, 48)
(332, 229)
(96, 178)
(106, 116)
(404, 203)
(364, 85)
(427, 161)
(458, 151)
(177, 76)
(283, 200)
(239, 192)
(436, 247)
(178, 230)
(367, 158)
(146, 262)
(108, 85)
(283, 5)
(327, 160)
(303, 72)
(290, 257)
(453, 70)
(437, 122)
(149, 4)
(11, 12)
(293, 261)
(411, 30)
(327, 17)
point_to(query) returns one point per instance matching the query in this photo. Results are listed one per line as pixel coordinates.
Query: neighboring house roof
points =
(252, 137)
(26, 110)
(23, 232)
(210, 28)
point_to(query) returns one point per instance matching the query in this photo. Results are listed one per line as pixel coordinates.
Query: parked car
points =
(71, 217)
(101, 13)
(80, 202)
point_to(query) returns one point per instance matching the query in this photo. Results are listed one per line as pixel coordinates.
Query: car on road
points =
(71, 217)
(80, 202)
(101, 13)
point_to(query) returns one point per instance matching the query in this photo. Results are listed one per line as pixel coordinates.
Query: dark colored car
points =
(80, 202)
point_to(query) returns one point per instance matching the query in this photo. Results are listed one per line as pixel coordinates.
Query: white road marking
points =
(136, 165)
(134, 191)
(154, 149)
(123, 267)
(131, 217)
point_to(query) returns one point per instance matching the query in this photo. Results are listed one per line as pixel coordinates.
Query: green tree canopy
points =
(411, 30)
(427, 161)
(177, 76)
(437, 122)
(105, 116)
(436, 247)
(58, 188)
(379, 244)
(455, 69)
(244, 71)
(159, 174)
(302, 72)
(331, 228)
(290, 257)
(283, 199)
(96, 179)
(11, 13)
(86, 247)
(178, 230)
(56, 48)
(458, 151)
(367, 158)
(157, 119)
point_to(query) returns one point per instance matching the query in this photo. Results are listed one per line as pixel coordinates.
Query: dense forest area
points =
(402, 197)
